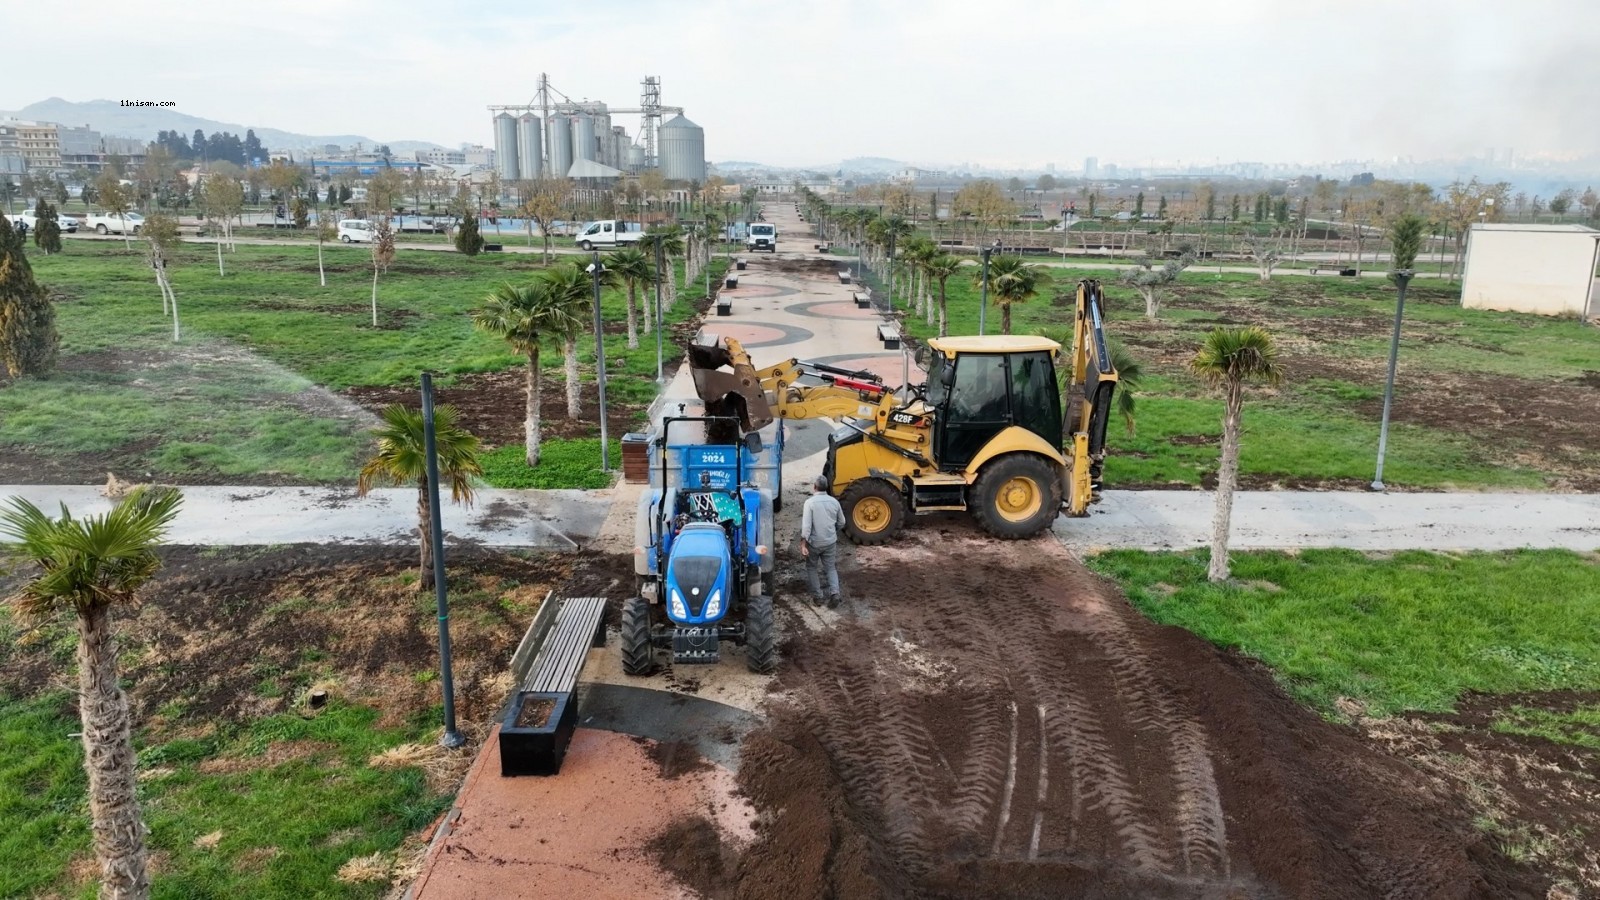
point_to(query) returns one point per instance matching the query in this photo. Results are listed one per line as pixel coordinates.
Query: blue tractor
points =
(703, 558)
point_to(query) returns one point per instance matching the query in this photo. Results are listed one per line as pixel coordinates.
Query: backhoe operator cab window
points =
(979, 395)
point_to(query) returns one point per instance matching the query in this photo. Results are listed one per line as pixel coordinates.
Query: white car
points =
(355, 231)
(68, 224)
(113, 223)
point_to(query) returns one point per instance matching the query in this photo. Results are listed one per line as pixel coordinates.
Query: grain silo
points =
(530, 147)
(505, 147)
(683, 150)
(635, 162)
(560, 146)
(583, 146)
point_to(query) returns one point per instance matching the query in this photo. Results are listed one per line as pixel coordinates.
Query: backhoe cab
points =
(987, 433)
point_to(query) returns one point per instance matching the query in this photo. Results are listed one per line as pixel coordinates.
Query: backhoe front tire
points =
(638, 654)
(1016, 497)
(760, 636)
(874, 511)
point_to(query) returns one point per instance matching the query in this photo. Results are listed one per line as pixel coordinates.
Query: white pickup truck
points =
(609, 233)
(113, 223)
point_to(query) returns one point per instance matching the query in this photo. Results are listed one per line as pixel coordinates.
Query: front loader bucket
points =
(735, 393)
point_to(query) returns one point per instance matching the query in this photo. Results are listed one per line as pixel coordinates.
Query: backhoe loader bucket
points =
(735, 393)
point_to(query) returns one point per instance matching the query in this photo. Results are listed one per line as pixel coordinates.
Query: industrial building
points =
(1550, 270)
(555, 136)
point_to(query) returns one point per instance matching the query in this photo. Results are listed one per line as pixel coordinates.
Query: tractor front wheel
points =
(638, 655)
(760, 635)
(874, 511)
(1016, 497)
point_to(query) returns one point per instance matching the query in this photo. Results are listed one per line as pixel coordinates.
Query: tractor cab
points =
(980, 386)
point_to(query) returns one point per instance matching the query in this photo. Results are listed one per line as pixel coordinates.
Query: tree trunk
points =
(425, 530)
(172, 296)
(943, 319)
(1227, 478)
(633, 315)
(532, 420)
(108, 758)
(374, 296)
(220, 273)
(125, 242)
(322, 274)
(569, 353)
(546, 247)
(1152, 306)
(1005, 318)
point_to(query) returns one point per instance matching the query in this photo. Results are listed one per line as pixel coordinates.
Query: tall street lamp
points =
(452, 738)
(595, 270)
(983, 300)
(1402, 278)
(661, 267)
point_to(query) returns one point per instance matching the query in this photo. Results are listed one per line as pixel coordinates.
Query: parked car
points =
(610, 233)
(355, 231)
(68, 224)
(113, 223)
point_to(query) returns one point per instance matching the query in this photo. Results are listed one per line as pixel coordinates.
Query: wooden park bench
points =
(739, 264)
(724, 305)
(889, 333)
(862, 299)
(1335, 268)
(844, 276)
(732, 280)
(550, 686)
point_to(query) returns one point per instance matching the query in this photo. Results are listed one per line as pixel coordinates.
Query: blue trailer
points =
(703, 555)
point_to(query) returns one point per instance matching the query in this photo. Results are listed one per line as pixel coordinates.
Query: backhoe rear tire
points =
(638, 654)
(874, 511)
(1016, 497)
(760, 636)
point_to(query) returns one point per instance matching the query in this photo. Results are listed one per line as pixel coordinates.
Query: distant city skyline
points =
(1022, 86)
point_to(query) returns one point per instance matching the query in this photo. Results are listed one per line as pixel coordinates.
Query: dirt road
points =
(993, 721)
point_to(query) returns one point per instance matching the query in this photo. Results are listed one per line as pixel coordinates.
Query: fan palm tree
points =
(1129, 371)
(402, 459)
(940, 267)
(1229, 358)
(1011, 281)
(522, 316)
(89, 566)
(572, 291)
(671, 239)
(916, 252)
(633, 268)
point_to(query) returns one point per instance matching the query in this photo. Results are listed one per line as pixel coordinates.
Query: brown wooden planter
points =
(537, 746)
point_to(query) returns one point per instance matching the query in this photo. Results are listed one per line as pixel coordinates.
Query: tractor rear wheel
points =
(760, 635)
(874, 511)
(638, 655)
(1016, 497)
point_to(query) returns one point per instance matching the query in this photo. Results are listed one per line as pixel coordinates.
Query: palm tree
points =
(940, 267)
(672, 244)
(1129, 371)
(90, 566)
(1011, 281)
(402, 459)
(572, 291)
(1228, 358)
(634, 269)
(522, 315)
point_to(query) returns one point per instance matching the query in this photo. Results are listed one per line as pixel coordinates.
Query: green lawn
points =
(1334, 335)
(237, 395)
(1409, 631)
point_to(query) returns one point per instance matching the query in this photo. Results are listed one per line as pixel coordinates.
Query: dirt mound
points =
(1004, 724)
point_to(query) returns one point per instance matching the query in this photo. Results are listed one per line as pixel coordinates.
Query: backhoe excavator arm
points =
(757, 396)
(1091, 384)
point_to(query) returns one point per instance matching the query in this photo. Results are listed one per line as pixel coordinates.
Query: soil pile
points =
(998, 722)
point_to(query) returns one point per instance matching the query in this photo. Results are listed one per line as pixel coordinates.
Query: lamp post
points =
(983, 301)
(451, 739)
(661, 267)
(595, 269)
(1402, 278)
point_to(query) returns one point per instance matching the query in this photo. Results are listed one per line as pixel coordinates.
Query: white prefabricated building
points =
(1550, 270)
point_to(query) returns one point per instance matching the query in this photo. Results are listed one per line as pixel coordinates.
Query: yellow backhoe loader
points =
(984, 433)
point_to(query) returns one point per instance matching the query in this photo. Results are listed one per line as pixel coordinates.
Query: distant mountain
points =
(142, 122)
(874, 164)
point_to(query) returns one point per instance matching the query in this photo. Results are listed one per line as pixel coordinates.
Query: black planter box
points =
(493, 248)
(537, 751)
(732, 282)
(739, 265)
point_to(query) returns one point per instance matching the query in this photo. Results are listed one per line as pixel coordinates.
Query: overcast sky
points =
(996, 82)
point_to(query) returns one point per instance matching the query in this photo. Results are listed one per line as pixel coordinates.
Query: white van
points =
(609, 233)
(355, 231)
(763, 236)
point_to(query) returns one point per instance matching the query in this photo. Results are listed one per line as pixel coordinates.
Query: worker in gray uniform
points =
(821, 520)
